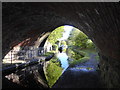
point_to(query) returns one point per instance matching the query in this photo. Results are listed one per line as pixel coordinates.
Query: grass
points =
(86, 56)
(81, 60)
(90, 51)
(54, 71)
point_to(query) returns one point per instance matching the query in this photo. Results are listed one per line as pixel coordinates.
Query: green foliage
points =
(70, 52)
(53, 71)
(85, 55)
(90, 44)
(56, 61)
(63, 43)
(85, 52)
(72, 37)
(56, 34)
(64, 50)
(75, 54)
(81, 40)
(80, 52)
(77, 38)
(81, 60)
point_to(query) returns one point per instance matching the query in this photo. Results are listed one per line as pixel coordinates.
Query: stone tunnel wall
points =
(100, 21)
(110, 71)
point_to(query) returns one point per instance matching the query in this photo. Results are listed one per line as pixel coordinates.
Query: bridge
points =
(99, 21)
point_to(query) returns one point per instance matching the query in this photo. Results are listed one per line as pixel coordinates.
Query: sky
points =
(67, 29)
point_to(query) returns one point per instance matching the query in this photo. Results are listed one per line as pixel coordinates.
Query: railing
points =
(24, 54)
(30, 54)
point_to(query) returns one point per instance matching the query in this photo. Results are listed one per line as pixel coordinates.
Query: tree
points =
(56, 34)
(77, 38)
(72, 37)
(90, 44)
(81, 40)
(63, 42)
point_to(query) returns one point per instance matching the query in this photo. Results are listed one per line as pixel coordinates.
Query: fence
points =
(24, 54)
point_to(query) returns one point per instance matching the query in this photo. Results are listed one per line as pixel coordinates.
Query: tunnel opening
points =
(72, 48)
(75, 46)
(100, 21)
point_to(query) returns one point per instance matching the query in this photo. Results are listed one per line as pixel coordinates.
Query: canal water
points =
(63, 60)
(90, 66)
(82, 75)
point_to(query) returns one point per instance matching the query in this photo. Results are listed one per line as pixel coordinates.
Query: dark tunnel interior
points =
(100, 21)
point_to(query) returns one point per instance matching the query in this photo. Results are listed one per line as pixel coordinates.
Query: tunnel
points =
(100, 21)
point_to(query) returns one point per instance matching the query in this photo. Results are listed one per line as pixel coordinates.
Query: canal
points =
(81, 75)
(72, 70)
(63, 60)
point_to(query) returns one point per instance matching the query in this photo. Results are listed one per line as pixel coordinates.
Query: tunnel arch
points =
(81, 11)
(60, 52)
(100, 21)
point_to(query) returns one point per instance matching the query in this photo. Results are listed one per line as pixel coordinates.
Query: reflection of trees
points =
(74, 54)
(79, 39)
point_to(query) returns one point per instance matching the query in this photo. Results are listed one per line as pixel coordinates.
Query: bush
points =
(81, 60)
(53, 71)
(90, 44)
(82, 53)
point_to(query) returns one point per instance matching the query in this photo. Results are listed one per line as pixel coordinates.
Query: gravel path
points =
(83, 75)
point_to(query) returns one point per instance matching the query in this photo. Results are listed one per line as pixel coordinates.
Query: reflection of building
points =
(47, 46)
(12, 53)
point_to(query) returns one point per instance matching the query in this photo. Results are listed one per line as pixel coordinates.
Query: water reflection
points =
(83, 68)
(64, 60)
